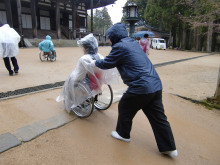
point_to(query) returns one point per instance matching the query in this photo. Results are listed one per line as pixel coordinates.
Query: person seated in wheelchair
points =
(85, 81)
(47, 46)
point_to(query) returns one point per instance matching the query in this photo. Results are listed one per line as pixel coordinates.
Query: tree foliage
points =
(201, 12)
(102, 20)
(182, 16)
(141, 7)
(160, 13)
(197, 21)
(164, 13)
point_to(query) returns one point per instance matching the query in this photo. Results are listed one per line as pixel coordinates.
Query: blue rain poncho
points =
(46, 45)
(9, 40)
(85, 81)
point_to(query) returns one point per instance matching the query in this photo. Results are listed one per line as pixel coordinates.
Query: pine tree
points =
(102, 21)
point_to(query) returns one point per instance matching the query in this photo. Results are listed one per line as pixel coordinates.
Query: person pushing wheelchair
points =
(144, 89)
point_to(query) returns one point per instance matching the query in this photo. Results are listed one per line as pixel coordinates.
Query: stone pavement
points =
(88, 141)
(27, 117)
(24, 130)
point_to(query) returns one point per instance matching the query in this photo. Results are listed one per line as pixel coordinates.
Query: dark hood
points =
(117, 32)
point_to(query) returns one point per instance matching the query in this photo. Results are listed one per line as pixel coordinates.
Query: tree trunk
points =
(198, 39)
(184, 38)
(179, 43)
(194, 39)
(160, 25)
(170, 40)
(209, 36)
(174, 36)
(198, 45)
(217, 92)
(190, 39)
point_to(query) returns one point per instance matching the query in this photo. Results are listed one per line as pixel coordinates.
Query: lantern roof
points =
(132, 4)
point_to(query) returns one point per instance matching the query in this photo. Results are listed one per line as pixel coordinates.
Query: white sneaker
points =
(117, 136)
(172, 154)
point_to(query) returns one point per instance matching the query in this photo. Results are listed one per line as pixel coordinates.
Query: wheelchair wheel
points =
(52, 56)
(42, 56)
(104, 100)
(85, 109)
(55, 55)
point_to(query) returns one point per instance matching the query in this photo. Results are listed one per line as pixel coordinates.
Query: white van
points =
(158, 43)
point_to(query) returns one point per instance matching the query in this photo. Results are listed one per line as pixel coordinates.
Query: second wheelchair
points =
(47, 56)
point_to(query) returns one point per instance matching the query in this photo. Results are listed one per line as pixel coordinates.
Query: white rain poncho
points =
(9, 40)
(85, 81)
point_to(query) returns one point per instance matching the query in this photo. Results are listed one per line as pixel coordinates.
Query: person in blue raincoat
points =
(47, 46)
(144, 89)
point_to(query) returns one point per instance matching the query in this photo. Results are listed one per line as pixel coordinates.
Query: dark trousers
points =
(8, 65)
(152, 106)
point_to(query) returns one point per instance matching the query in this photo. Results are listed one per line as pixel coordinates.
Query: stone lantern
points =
(132, 16)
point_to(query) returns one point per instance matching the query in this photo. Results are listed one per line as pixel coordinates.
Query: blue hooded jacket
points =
(46, 45)
(135, 68)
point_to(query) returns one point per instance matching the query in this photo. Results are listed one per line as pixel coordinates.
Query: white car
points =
(158, 43)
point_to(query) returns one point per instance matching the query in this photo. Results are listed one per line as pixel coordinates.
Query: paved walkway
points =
(88, 141)
(40, 88)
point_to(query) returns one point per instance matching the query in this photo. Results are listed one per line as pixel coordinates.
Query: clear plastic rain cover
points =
(85, 81)
(9, 40)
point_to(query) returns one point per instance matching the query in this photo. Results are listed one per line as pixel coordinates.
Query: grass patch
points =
(211, 103)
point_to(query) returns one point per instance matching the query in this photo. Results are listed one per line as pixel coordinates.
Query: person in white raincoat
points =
(9, 40)
(85, 81)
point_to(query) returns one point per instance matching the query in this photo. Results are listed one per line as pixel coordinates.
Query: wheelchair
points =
(101, 101)
(48, 56)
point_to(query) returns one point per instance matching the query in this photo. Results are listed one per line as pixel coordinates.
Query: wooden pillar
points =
(86, 22)
(74, 19)
(34, 18)
(91, 16)
(8, 12)
(38, 16)
(58, 19)
(19, 17)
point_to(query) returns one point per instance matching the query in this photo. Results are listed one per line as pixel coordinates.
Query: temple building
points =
(32, 18)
